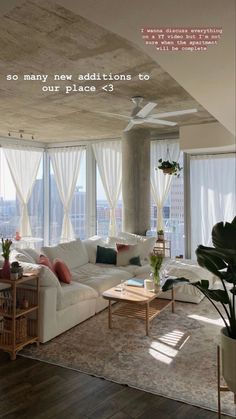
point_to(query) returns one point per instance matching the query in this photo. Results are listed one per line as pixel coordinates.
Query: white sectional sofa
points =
(63, 306)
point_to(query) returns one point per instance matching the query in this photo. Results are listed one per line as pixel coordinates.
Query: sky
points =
(7, 188)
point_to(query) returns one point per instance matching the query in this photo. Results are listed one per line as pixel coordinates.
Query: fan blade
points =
(114, 115)
(129, 126)
(164, 114)
(146, 110)
(159, 122)
(134, 122)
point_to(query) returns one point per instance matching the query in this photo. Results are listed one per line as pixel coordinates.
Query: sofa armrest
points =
(47, 313)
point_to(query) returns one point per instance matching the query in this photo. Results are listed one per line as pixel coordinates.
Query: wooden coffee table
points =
(137, 303)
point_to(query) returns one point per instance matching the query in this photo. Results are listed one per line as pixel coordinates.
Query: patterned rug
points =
(177, 360)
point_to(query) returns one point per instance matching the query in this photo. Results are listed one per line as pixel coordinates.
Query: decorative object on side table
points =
(16, 270)
(6, 270)
(221, 261)
(155, 262)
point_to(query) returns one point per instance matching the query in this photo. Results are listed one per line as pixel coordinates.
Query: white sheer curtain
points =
(66, 165)
(213, 195)
(109, 160)
(23, 165)
(160, 183)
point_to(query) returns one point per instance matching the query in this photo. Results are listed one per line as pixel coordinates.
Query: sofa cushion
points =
(146, 243)
(33, 253)
(73, 293)
(62, 271)
(99, 277)
(125, 254)
(91, 247)
(106, 255)
(140, 271)
(73, 253)
(20, 256)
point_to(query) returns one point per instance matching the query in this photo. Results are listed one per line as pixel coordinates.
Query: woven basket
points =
(21, 328)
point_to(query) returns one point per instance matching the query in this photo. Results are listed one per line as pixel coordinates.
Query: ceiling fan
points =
(141, 115)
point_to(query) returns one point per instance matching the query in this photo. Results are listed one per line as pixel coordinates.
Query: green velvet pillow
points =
(106, 255)
(135, 261)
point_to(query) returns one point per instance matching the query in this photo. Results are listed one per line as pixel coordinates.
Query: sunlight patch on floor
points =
(167, 346)
(174, 338)
(217, 322)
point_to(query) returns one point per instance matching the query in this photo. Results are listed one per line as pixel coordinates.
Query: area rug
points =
(177, 360)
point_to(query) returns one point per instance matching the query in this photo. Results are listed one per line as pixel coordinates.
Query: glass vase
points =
(156, 278)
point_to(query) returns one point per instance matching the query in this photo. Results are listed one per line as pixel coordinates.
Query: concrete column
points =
(136, 180)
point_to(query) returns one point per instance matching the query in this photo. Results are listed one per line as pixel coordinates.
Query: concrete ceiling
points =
(45, 38)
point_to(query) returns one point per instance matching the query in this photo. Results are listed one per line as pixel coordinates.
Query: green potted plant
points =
(221, 261)
(6, 271)
(160, 234)
(169, 167)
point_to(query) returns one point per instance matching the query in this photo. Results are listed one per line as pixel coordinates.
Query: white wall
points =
(206, 138)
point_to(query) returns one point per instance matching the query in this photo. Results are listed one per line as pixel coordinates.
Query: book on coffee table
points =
(135, 282)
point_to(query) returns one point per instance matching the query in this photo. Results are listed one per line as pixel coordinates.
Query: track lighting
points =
(21, 133)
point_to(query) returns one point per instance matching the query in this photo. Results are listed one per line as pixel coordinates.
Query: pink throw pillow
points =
(44, 260)
(62, 271)
(121, 247)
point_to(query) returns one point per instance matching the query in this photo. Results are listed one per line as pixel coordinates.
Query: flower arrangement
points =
(6, 244)
(169, 167)
(156, 262)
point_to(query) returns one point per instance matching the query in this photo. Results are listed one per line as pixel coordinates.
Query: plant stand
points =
(219, 386)
(162, 247)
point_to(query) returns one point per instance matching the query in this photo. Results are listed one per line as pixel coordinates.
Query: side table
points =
(19, 307)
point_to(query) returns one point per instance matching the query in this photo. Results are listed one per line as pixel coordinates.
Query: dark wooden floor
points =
(30, 389)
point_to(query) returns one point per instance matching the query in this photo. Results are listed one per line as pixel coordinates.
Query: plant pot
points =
(168, 171)
(160, 237)
(228, 357)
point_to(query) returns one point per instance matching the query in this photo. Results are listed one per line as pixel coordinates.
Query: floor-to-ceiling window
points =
(78, 205)
(10, 205)
(213, 195)
(172, 211)
(103, 209)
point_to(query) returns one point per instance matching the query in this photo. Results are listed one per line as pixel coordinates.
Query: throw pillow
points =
(146, 243)
(62, 271)
(122, 247)
(124, 256)
(106, 255)
(135, 261)
(44, 260)
(91, 246)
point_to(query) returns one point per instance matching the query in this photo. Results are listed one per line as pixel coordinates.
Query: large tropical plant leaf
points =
(216, 295)
(173, 282)
(209, 260)
(222, 257)
(224, 235)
